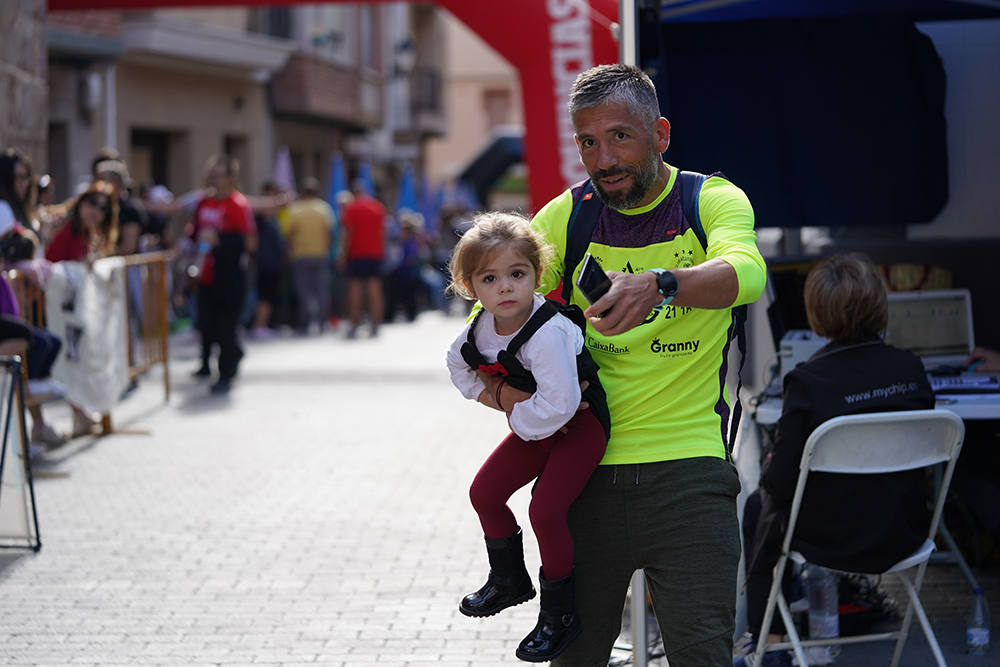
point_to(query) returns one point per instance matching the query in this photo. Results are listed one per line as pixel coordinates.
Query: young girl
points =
(523, 340)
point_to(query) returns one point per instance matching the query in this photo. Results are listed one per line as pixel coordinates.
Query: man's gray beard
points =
(643, 181)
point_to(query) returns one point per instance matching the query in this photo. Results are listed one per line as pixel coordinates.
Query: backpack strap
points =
(740, 334)
(544, 313)
(579, 229)
(690, 183)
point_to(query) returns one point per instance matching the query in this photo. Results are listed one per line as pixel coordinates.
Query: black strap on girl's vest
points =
(515, 373)
(545, 312)
(580, 228)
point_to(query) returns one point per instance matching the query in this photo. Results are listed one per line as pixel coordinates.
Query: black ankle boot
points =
(508, 583)
(558, 625)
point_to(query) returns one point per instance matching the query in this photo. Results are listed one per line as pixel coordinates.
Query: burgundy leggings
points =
(562, 463)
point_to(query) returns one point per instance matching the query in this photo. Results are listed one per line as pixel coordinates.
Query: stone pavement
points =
(316, 515)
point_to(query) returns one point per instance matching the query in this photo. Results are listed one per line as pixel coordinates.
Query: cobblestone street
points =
(316, 515)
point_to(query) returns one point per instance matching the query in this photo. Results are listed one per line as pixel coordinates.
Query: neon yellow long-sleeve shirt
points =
(665, 379)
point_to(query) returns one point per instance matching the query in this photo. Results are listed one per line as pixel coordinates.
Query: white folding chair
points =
(879, 442)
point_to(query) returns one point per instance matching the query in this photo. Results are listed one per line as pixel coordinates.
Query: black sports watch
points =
(666, 283)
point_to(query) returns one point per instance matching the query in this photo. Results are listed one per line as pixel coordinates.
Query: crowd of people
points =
(632, 467)
(259, 263)
(33, 237)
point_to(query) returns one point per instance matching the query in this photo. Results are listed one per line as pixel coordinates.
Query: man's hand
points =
(583, 404)
(983, 360)
(630, 300)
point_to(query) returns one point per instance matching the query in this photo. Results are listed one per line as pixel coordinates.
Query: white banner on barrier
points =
(18, 527)
(85, 307)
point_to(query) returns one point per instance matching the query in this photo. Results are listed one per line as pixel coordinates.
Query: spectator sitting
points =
(15, 189)
(845, 302)
(39, 347)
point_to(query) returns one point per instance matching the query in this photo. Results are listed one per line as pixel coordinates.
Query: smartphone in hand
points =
(592, 281)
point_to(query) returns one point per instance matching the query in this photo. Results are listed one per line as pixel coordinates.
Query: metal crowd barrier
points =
(147, 309)
(147, 276)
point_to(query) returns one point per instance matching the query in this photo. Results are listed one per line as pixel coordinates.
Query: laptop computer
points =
(935, 325)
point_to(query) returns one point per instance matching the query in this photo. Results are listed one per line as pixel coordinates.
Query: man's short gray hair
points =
(616, 83)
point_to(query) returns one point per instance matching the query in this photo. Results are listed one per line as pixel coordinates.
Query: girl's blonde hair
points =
(492, 232)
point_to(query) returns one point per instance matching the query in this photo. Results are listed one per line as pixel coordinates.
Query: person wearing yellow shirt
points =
(310, 232)
(663, 498)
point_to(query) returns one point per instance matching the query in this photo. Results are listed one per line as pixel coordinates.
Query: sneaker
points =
(771, 659)
(202, 372)
(45, 435)
(221, 387)
(863, 605)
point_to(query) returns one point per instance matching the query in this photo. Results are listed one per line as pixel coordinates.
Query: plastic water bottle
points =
(821, 588)
(977, 629)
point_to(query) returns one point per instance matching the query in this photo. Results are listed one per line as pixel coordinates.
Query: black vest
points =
(521, 378)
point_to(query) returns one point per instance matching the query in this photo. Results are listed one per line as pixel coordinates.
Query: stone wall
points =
(23, 87)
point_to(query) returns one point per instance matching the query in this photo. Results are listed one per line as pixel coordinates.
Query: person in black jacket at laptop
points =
(884, 517)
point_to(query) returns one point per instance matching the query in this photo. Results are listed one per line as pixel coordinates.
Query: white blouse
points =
(550, 355)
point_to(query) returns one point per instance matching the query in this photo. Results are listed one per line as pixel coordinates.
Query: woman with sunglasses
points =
(91, 228)
(15, 189)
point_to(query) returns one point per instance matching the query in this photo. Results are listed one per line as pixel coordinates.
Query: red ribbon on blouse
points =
(493, 369)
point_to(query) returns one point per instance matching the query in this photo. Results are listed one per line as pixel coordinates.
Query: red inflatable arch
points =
(548, 41)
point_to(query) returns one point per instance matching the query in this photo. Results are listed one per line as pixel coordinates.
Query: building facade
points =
(170, 87)
(23, 66)
(483, 102)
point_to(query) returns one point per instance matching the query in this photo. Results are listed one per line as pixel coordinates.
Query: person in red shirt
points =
(90, 230)
(362, 253)
(224, 229)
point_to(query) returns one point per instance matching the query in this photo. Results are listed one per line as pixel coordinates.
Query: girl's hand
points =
(507, 395)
